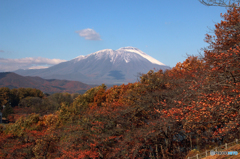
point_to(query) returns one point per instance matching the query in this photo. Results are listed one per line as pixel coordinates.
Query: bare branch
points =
(221, 3)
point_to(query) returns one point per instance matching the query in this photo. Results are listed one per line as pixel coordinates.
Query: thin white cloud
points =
(38, 67)
(89, 34)
(32, 60)
(8, 65)
(2, 51)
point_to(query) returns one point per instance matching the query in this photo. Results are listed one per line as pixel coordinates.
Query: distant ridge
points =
(13, 80)
(105, 66)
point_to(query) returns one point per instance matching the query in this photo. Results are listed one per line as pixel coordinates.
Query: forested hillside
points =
(13, 80)
(24, 101)
(164, 115)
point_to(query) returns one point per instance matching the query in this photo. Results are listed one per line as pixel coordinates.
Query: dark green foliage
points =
(7, 111)
(61, 97)
(14, 96)
(30, 102)
(48, 106)
(40, 106)
(4, 96)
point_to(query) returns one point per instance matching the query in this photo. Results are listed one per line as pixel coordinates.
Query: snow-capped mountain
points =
(105, 66)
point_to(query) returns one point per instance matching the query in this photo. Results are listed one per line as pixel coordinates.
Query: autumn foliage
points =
(163, 115)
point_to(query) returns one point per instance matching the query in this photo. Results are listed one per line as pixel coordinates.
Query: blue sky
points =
(41, 33)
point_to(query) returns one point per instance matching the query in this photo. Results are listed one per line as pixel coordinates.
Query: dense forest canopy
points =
(195, 105)
(31, 100)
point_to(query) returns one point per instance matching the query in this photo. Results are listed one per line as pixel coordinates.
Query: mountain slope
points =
(13, 80)
(105, 66)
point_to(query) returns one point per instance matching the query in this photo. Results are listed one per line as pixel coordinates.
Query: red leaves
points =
(73, 154)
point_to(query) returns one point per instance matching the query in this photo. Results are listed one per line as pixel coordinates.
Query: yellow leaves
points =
(50, 120)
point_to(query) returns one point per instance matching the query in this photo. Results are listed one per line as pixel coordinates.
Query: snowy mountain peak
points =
(124, 52)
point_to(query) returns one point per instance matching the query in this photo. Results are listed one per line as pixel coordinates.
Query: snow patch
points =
(112, 54)
(104, 50)
(81, 57)
(144, 55)
(126, 60)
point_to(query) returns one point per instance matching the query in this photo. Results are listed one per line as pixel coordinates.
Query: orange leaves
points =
(100, 97)
(224, 49)
(157, 110)
(187, 69)
(208, 38)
